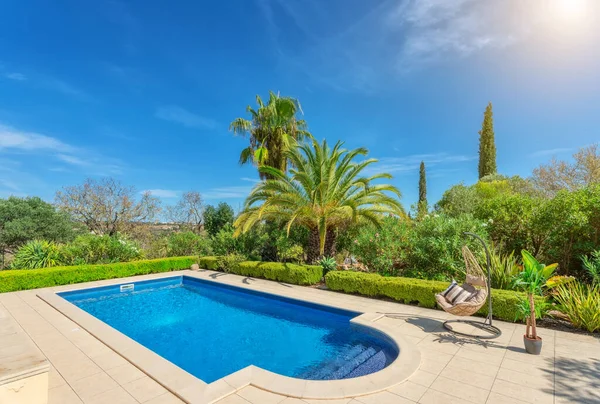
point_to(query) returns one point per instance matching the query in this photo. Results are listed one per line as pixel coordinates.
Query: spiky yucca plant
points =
(36, 254)
(325, 189)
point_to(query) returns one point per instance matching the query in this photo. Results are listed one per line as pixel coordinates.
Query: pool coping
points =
(193, 390)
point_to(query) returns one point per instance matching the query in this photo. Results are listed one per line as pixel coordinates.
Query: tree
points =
(558, 175)
(107, 206)
(422, 207)
(324, 191)
(26, 219)
(188, 212)
(487, 144)
(273, 129)
(217, 218)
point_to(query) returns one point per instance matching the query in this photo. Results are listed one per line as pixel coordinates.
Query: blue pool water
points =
(212, 330)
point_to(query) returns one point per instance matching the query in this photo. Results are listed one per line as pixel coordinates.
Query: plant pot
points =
(533, 346)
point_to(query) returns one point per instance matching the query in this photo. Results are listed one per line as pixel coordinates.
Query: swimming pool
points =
(212, 330)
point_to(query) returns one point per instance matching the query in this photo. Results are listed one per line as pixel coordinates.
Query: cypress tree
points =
(422, 206)
(487, 144)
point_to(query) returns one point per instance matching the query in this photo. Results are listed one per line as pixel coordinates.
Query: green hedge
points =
(275, 271)
(22, 279)
(416, 291)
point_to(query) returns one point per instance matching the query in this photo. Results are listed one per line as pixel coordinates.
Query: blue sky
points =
(144, 90)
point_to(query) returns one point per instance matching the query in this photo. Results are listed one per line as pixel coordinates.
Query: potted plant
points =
(532, 280)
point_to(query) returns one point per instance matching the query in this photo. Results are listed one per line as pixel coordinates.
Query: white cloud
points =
(412, 162)
(551, 152)
(24, 142)
(16, 76)
(233, 192)
(11, 138)
(162, 193)
(253, 180)
(184, 117)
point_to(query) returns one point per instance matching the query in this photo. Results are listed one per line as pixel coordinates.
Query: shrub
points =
(36, 254)
(383, 250)
(94, 249)
(13, 280)
(435, 246)
(581, 304)
(503, 270)
(417, 291)
(282, 272)
(592, 266)
(187, 243)
(230, 262)
(248, 244)
(328, 264)
(275, 271)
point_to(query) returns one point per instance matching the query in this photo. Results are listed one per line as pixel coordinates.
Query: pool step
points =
(373, 364)
(351, 365)
(326, 369)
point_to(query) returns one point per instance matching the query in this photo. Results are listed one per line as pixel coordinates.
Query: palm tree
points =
(273, 130)
(325, 190)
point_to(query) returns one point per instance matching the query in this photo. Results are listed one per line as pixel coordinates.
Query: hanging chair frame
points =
(486, 326)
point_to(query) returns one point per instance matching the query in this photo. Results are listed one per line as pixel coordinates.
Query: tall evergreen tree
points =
(422, 207)
(487, 144)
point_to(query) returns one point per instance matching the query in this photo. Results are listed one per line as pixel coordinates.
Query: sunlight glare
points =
(571, 9)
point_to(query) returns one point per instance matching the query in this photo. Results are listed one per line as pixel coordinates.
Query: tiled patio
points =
(453, 369)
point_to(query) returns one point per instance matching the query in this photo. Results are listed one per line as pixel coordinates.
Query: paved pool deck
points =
(452, 369)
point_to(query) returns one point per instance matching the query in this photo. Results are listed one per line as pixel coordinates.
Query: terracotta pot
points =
(533, 346)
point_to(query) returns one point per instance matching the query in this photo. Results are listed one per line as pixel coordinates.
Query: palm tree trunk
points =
(312, 252)
(532, 314)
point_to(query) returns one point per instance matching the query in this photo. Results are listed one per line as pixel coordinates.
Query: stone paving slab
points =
(453, 369)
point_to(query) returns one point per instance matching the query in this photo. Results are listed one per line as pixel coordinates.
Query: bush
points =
(436, 243)
(249, 244)
(94, 249)
(187, 243)
(417, 291)
(275, 271)
(581, 304)
(13, 280)
(503, 270)
(230, 262)
(36, 254)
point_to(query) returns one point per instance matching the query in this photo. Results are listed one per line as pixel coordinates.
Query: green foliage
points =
(581, 304)
(328, 264)
(93, 249)
(36, 254)
(324, 191)
(532, 279)
(217, 218)
(422, 204)
(26, 219)
(592, 266)
(230, 262)
(187, 243)
(487, 144)
(504, 268)
(384, 249)
(435, 245)
(249, 244)
(416, 291)
(458, 200)
(13, 280)
(273, 130)
(275, 271)
(523, 309)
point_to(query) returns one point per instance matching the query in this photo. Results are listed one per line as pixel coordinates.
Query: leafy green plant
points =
(581, 304)
(532, 280)
(503, 270)
(328, 264)
(230, 262)
(94, 249)
(36, 254)
(187, 243)
(592, 266)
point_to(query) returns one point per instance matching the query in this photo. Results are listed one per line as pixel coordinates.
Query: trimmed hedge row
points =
(23, 279)
(417, 291)
(275, 271)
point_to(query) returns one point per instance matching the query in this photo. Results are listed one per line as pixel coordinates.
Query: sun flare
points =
(571, 9)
